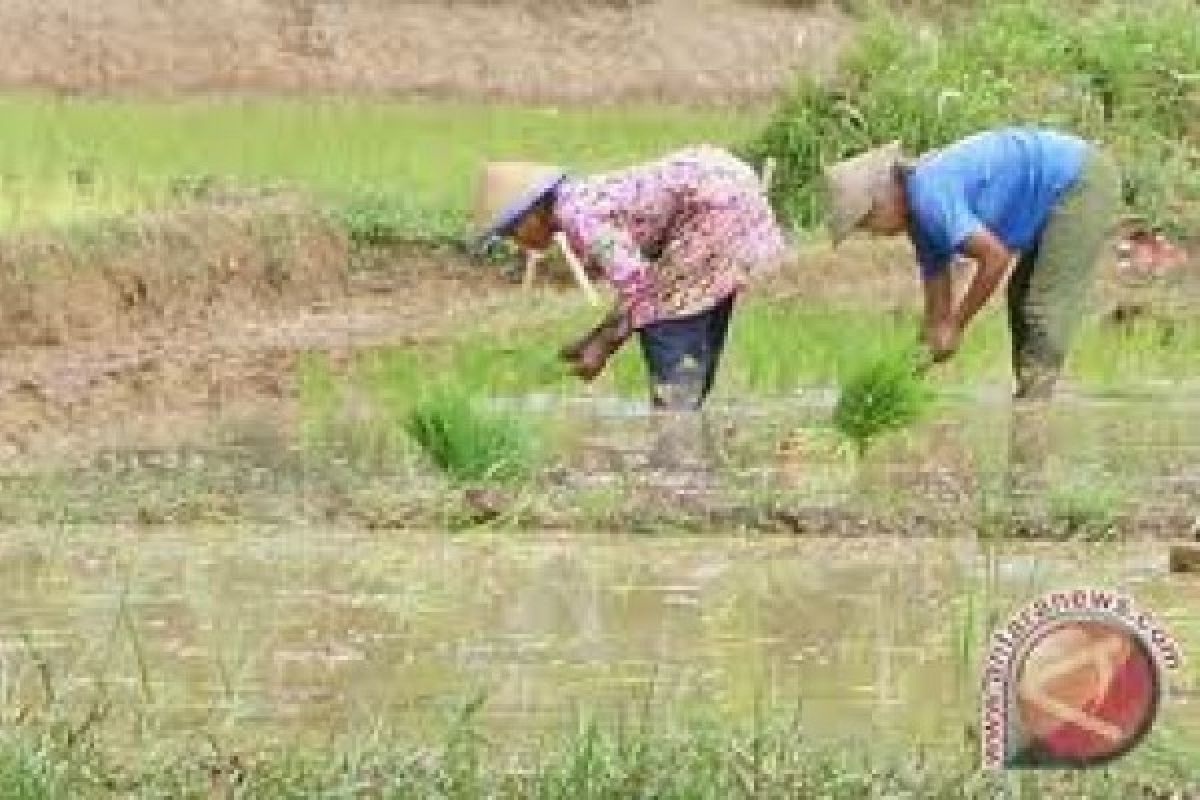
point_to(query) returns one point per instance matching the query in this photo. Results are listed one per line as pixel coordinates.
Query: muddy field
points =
(221, 538)
(190, 553)
(195, 311)
(173, 396)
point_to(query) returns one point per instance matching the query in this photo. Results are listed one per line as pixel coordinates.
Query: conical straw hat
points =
(851, 187)
(508, 189)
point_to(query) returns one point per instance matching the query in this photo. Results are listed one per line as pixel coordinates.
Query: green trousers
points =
(1048, 289)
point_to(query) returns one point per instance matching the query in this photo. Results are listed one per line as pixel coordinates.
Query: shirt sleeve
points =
(941, 221)
(617, 255)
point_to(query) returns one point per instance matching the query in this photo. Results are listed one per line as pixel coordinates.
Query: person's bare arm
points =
(945, 317)
(939, 299)
(940, 328)
(993, 260)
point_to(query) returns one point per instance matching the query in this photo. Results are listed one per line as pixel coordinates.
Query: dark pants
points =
(682, 356)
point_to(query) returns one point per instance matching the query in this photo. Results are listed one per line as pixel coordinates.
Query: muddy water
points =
(302, 632)
(1118, 452)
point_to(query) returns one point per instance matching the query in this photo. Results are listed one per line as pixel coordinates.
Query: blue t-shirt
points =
(1006, 180)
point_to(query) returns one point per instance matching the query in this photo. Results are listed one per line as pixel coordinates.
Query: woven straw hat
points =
(852, 185)
(506, 191)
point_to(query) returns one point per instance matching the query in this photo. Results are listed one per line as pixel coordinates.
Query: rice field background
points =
(69, 160)
(372, 541)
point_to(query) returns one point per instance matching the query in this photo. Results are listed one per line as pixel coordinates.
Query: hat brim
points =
(856, 191)
(504, 222)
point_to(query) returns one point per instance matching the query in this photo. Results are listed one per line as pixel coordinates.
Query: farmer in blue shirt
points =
(1044, 199)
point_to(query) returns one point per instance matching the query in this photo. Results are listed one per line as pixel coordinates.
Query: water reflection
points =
(309, 631)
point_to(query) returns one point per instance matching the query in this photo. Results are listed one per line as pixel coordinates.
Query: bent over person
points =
(678, 238)
(1047, 199)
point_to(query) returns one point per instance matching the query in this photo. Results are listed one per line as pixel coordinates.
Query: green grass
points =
(1086, 506)
(470, 442)
(392, 166)
(882, 395)
(1125, 74)
(774, 350)
(695, 757)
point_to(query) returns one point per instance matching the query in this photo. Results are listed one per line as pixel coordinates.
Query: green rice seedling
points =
(885, 393)
(28, 770)
(469, 442)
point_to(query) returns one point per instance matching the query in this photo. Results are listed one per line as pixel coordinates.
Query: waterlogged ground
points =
(241, 547)
(1093, 465)
(1111, 449)
(302, 633)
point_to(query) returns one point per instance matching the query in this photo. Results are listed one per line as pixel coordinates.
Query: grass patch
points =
(1125, 74)
(884, 394)
(774, 349)
(696, 756)
(391, 168)
(1087, 508)
(469, 442)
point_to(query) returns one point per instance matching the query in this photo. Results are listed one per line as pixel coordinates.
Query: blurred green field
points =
(64, 160)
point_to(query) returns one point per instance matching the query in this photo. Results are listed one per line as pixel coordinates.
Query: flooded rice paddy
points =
(1111, 454)
(308, 632)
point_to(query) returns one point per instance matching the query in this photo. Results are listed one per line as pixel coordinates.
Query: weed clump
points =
(469, 442)
(884, 393)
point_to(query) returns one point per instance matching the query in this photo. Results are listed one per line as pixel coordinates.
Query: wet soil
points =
(203, 372)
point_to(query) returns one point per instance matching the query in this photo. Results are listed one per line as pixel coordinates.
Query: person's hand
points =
(588, 356)
(943, 340)
(572, 352)
(592, 359)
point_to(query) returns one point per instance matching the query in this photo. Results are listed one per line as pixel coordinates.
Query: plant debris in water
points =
(885, 393)
(469, 442)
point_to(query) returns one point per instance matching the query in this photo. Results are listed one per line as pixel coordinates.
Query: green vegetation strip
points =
(390, 167)
(1124, 74)
(774, 350)
(696, 760)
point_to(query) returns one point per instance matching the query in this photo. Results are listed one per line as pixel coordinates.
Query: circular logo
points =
(1087, 691)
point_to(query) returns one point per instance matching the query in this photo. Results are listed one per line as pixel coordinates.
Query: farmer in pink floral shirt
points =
(678, 239)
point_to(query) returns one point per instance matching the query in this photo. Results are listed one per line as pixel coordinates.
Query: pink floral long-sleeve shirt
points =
(675, 236)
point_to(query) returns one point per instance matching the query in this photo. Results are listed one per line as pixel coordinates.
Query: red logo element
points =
(1085, 692)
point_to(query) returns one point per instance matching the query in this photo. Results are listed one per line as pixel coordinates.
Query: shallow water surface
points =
(1109, 454)
(303, 632)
